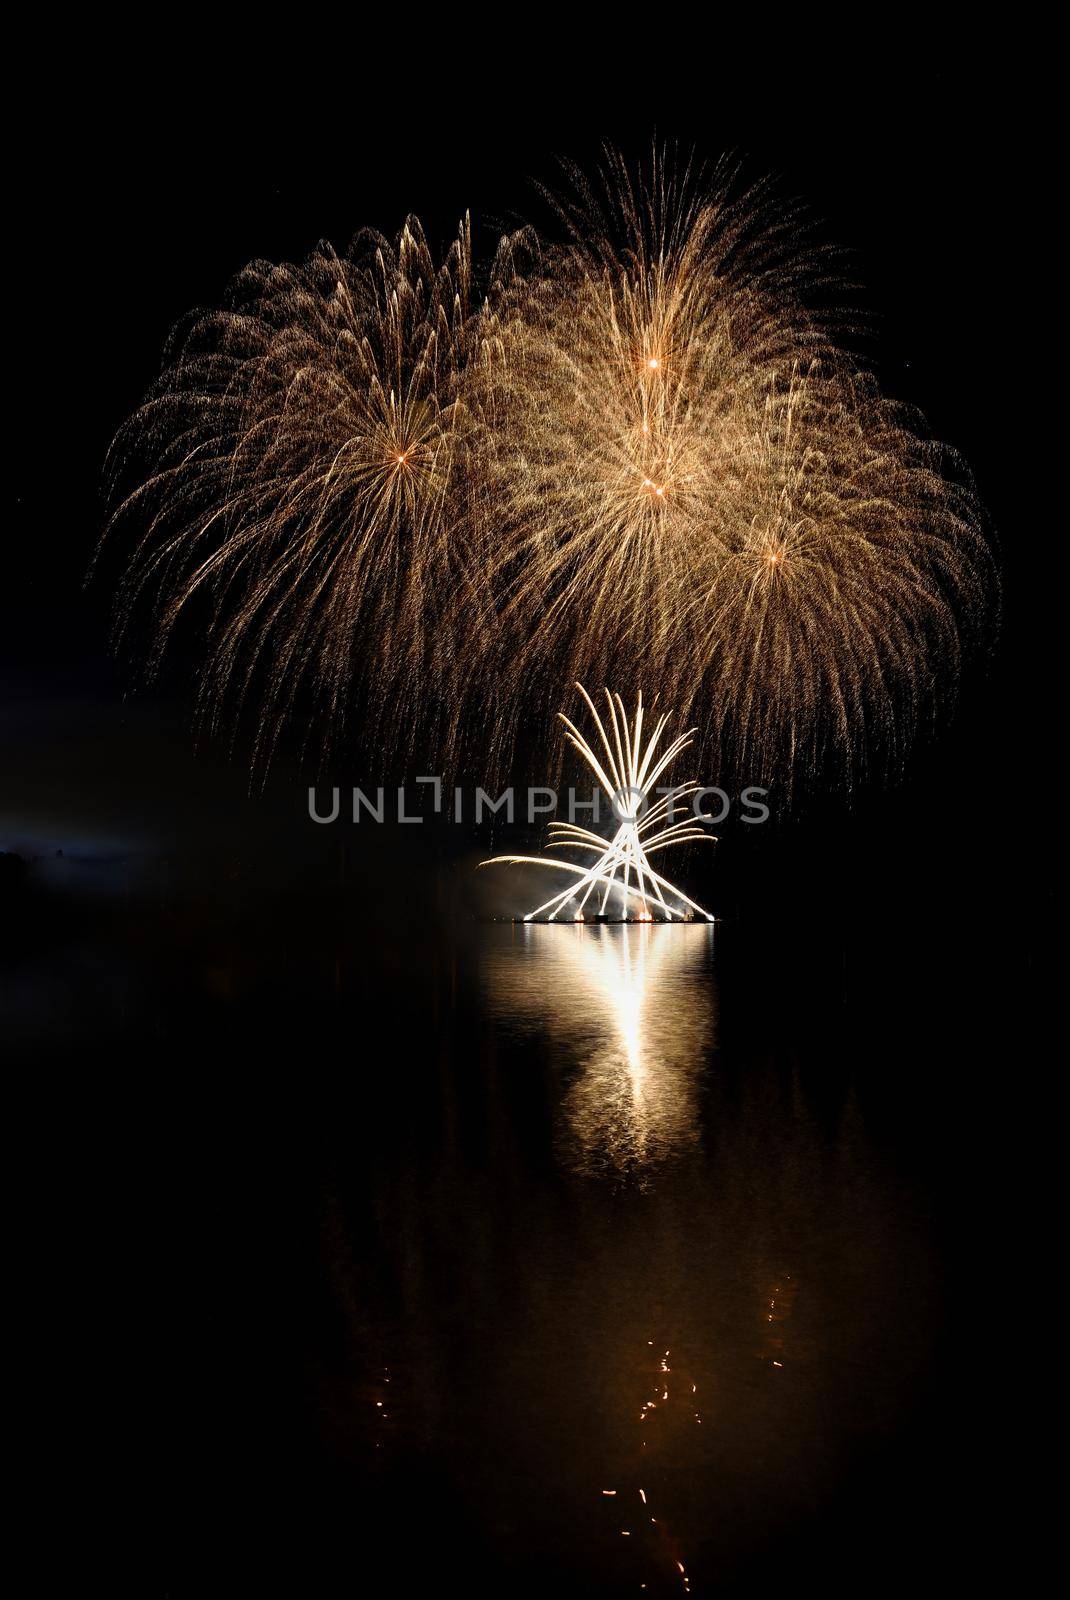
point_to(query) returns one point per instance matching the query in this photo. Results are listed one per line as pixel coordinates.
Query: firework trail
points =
(695, 488)
(628, 767)
(304, 478)
(636, 456)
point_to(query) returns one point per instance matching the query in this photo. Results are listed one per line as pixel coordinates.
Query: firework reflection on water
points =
(630, 1004)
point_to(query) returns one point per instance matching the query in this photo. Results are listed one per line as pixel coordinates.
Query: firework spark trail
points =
(304, 464)
(628, 771)
(636, 457)
(695, 486)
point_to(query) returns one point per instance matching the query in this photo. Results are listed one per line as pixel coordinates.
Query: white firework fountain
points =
(628, 774)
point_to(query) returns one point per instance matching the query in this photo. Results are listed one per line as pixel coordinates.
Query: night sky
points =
(143, 189)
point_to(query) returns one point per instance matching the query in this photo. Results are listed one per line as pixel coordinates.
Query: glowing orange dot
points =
(653, 363)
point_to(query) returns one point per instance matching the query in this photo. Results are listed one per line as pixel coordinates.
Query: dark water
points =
(657, 1337)
(643, 1305)
(394, 1256)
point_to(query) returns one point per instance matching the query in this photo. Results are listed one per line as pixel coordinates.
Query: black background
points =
(140, 191)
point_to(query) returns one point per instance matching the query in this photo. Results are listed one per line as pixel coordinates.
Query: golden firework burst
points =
(637, 457)
(304, 466)
(695, 488)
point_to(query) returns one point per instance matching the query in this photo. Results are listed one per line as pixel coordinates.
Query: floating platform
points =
(598, 921)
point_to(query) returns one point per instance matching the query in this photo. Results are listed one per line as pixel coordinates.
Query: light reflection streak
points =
(659, 1552)
(634, 1008)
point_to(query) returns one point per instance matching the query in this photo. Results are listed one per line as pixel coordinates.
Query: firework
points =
(637, 455)
(628, 770)
(695, 486)
(304, 479)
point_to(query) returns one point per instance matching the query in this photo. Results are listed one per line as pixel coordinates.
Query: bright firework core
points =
(629, 771)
